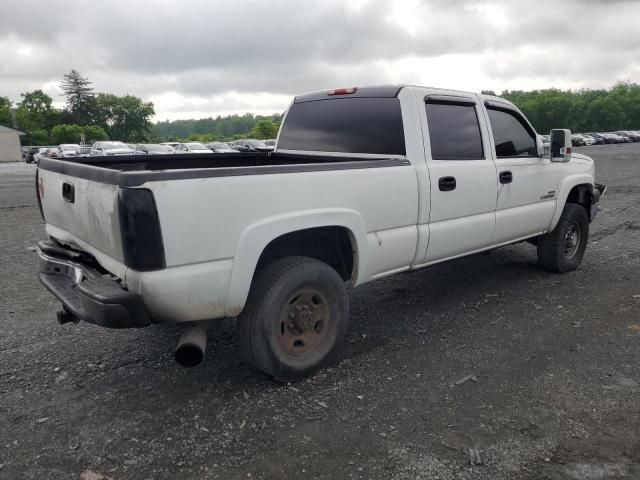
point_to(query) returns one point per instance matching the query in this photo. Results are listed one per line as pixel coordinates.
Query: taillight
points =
(142, 245)
(40, 192)
(342, 91)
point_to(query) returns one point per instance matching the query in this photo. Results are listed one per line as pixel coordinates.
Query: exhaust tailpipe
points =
(191, 346)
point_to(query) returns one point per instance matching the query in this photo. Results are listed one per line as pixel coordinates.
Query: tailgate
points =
(83, 213)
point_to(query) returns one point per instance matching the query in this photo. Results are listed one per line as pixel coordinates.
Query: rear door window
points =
(454, 131)
(354, 125)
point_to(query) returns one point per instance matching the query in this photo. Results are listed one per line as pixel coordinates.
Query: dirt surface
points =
(555, 391)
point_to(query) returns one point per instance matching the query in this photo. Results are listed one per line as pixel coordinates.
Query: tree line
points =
(97, 116)
(580, 111)
(105, 116)
(220, 128)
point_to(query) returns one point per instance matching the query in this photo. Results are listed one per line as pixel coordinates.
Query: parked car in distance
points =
(191, 147)
(599, 138)
(153, 149)
(591, 140)
(588, 141)
(52, 152)
(632, 136)
(30, 154)
(40, 153)
(251, 145)
(68, 150)
(221, 147)
(110, 148)
(623, 138)
(577, 141)
(618, 138)
(271, 142)
(170, 144)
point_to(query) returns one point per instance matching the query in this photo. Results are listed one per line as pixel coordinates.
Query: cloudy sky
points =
(206, 57)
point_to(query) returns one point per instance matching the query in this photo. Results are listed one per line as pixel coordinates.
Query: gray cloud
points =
(201, 50)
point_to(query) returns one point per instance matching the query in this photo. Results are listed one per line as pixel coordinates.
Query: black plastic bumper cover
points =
(598, 192)
(85, 293)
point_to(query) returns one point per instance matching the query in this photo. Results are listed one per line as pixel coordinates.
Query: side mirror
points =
(561, 146)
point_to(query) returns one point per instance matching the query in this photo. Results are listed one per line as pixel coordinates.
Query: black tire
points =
(295, 318)
(562, 249)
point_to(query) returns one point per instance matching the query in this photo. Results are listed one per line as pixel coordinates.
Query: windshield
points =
(196, 146)
(113, 145)
(71, 148)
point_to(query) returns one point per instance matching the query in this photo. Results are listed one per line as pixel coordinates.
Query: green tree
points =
(605, 114)
(5, 111)
(93, 133)
(65, 133)
(36, 116)
(264, 129)
(36, 137)
(125, 118)
(81, 100)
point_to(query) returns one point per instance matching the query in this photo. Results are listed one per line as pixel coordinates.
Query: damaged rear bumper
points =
(86, 294)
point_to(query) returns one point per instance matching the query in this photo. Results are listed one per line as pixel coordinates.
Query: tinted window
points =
(454, 132)
(512, 136)
(354, 125)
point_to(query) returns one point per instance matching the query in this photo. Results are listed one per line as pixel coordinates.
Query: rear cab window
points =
(454, 130)
(357, 125)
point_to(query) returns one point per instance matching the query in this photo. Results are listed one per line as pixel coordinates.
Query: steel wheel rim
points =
(304, 322)
(572, 240)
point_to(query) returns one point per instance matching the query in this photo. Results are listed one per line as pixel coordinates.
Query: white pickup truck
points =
(363, 183)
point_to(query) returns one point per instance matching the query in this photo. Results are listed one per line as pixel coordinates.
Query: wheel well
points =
(332, 245)
(582, 195)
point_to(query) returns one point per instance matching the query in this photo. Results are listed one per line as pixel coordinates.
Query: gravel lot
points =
(554, 358)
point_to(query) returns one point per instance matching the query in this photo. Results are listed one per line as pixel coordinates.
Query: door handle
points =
(506, 177)
(68, 192)
(446, 184)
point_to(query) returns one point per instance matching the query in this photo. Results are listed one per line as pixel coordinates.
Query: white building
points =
(10, 144)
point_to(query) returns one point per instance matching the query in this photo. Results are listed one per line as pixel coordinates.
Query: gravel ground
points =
(554, 358)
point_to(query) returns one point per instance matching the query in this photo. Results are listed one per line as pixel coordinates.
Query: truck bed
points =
(135, 170)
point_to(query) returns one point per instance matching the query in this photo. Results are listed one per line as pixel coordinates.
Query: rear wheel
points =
(295, 318)
(562, 249)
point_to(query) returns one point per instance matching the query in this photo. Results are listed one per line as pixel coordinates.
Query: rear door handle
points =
(68, 192)
(446, 184)
(506, 177)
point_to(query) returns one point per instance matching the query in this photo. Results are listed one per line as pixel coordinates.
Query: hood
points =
(581, 158)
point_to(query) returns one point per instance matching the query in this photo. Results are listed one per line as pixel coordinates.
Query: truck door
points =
(527, 182)
(463, 176)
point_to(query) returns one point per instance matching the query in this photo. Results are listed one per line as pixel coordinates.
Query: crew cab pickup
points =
(363, 183)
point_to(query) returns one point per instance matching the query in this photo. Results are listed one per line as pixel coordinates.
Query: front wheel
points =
(295, 318)
(562, 249)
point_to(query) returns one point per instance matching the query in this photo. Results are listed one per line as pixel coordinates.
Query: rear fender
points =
(255, 238)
